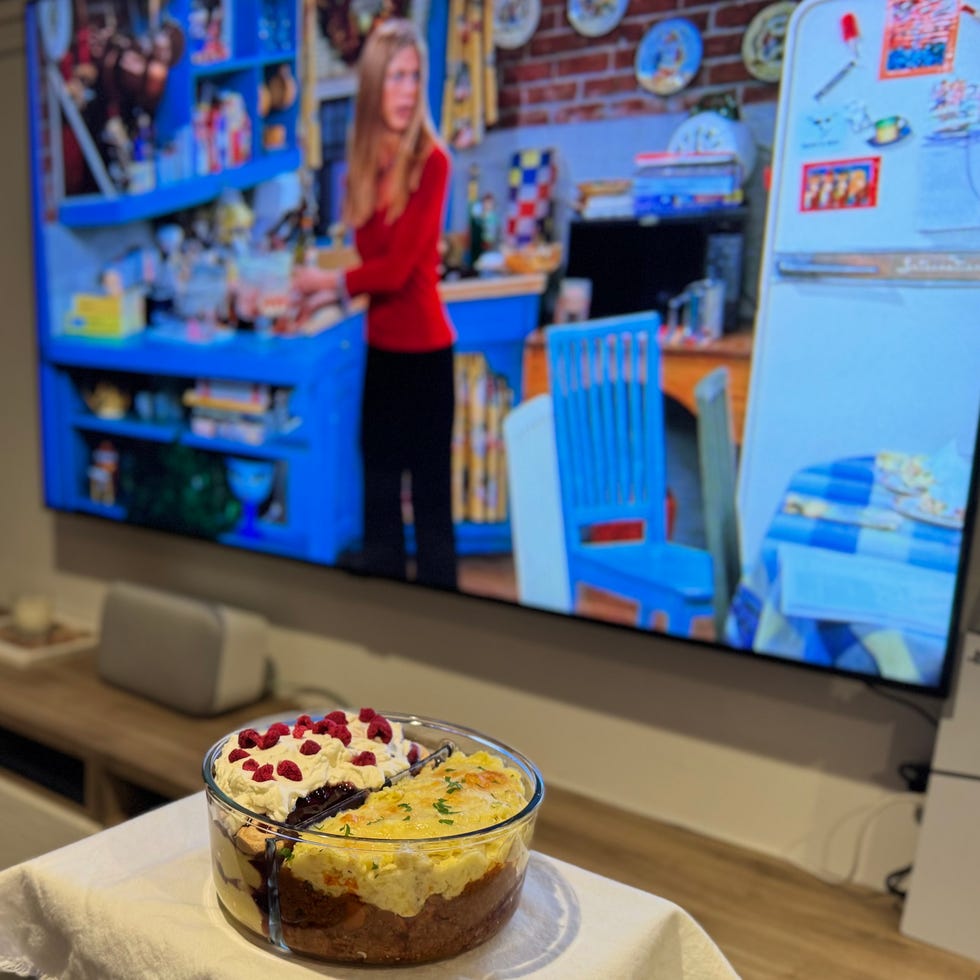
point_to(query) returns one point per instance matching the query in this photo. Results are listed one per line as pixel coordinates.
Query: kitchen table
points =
(853, 573)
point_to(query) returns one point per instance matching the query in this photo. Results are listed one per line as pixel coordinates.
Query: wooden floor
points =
(770, 919)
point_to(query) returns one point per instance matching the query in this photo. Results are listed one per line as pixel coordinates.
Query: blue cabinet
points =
(314, 456)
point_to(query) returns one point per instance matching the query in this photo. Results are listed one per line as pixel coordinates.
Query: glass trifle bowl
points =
(354, 836)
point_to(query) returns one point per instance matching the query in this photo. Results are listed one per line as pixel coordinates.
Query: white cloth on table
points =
(136, 901)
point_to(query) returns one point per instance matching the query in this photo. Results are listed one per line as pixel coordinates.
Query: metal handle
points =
(803, 267)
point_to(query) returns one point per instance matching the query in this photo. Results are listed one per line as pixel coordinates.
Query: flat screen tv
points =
(716, 362)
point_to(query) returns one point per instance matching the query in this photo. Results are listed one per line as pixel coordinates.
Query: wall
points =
(791, 763)
(560, 76)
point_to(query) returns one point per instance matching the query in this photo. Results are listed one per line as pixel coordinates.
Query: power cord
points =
(911, 705)
(893, 881)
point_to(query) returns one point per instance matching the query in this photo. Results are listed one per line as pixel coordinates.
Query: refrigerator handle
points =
(805, 267)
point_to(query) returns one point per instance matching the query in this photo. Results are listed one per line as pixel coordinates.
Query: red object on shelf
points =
(849, 28)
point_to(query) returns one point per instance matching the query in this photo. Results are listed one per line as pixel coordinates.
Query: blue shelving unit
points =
(255, 55)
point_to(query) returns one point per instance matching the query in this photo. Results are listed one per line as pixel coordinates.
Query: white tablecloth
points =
(136, 901)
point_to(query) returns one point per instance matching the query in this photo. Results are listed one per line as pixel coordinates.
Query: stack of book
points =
(479, 469)
(668, 182)
(239, 411)
(605, 199)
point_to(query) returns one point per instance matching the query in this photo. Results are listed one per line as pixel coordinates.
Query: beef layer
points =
(347, 928)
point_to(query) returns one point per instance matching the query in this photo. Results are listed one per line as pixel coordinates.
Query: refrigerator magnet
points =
(919, 37)
(764, 39)
(839, 185)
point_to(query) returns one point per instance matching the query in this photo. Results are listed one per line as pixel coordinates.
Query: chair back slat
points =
(609, 420)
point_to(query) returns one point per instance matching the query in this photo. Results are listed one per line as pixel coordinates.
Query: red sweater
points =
(398, 269)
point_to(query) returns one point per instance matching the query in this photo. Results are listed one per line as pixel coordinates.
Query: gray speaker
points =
(199, 657)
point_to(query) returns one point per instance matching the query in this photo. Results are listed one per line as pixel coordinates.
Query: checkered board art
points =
(529, 205)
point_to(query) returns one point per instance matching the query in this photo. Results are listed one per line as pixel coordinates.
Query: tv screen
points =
(714, 366)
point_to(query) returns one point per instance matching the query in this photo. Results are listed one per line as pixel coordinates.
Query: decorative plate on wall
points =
(514, 21)
(669, 56)
(593, 18)
(762, 43)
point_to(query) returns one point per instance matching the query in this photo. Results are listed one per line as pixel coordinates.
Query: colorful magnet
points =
(919, 37)
(669, 56)
(838, 185)
(850, 34)
(891, 129)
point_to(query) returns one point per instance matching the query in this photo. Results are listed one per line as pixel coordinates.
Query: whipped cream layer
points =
(268, 772)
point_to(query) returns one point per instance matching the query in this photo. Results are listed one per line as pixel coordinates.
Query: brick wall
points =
(559, 76)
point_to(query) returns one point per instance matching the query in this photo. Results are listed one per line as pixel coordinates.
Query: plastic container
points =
(348, 898)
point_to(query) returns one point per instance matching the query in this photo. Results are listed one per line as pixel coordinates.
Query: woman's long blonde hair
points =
(364, 141)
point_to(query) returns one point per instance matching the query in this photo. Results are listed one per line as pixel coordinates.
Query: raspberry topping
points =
(288, 770)
(235, 754)
(263, 774)
(249, 737)
(300, 730)
(366, 714)
(279, 726)
(305, 720)
(413, 754)
(309, 747)
(270, 738)
(339, 717)
(379, 728)
(250, 765)
(324, 727)
(342, 732)
(364, 759)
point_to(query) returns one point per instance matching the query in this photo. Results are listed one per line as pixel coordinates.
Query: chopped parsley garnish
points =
(347, 830)
(450, 822)
(441, 806)
(407, 807)
(371, 823)
(452, 785)
(406, 819)
(374, 865)
(287, 853)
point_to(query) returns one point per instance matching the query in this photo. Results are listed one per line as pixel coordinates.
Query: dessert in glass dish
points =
(365, 837)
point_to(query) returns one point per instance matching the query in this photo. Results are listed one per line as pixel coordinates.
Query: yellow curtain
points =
(469, 103)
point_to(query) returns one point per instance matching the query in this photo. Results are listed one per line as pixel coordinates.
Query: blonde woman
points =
(398, 175)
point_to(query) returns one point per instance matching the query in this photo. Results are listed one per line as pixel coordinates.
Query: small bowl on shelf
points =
(421, 868)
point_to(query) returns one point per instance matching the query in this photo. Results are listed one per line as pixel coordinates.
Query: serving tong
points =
(437, 757)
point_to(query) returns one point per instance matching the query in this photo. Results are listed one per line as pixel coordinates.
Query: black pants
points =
(406, 424)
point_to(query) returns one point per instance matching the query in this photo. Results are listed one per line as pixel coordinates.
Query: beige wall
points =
(782, 760)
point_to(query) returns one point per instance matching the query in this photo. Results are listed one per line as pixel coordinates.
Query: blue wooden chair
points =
(609, 434)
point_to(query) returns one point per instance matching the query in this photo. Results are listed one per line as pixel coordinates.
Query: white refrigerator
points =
(868, 329)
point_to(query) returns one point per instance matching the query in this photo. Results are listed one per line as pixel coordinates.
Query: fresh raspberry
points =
(338, 717)
(309, 747)
(289, 770)
(250, 765)
(263, 774)
(279, 726)
(366, 714)
(270, 738)
(300, 730)
(305, 720)
(324, 727)
(379, 727)
(235, 754)
(249, 737)
(413, 754)
(342, 732)
(364, 759)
